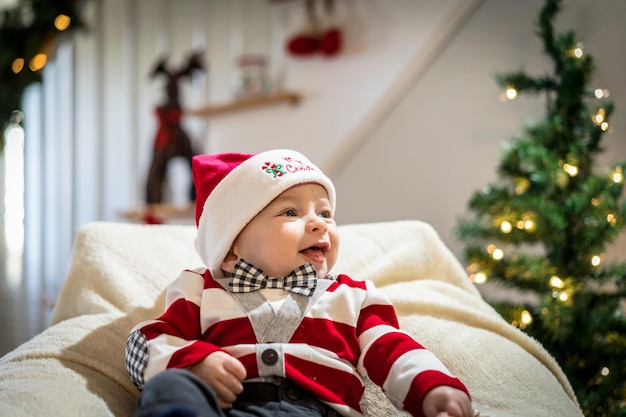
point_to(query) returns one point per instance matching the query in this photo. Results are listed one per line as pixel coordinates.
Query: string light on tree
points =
(556, 282)
(511, 93)
(563, 296)
(596, 260)
(598, 118)
(476, 275)
(506, 226)
(600, 93)
(572, 170)
(495, 252)
(577, 51)
(527, 223)
(525, 319)
(480, 278)
(617, 176)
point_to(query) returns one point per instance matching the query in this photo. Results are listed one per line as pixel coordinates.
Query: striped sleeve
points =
(394, 360)
(174, 339)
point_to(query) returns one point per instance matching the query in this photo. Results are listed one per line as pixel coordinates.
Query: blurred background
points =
(399, 107)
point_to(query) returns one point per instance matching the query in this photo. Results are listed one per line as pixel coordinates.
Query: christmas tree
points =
(542, 228)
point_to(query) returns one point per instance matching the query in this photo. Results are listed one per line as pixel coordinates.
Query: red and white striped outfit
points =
(348, 329)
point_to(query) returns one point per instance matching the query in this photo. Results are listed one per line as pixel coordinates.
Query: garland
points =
(28, 32)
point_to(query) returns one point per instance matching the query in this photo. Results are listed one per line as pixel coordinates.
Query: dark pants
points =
(180, 393)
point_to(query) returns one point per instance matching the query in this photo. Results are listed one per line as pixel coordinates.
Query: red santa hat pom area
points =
(232, 188)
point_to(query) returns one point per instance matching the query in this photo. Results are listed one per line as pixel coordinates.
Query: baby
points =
(266, 329)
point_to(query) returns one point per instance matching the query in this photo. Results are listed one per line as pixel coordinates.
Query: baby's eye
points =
(326, 214)
(289, 213)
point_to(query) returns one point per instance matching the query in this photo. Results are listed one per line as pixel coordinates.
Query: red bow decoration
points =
(326, 38)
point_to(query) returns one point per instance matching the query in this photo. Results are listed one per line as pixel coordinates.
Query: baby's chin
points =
(322, 271)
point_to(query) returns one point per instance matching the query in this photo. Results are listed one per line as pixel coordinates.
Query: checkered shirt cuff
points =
(136, 357)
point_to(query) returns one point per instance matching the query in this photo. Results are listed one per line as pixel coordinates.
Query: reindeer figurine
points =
(171, 140)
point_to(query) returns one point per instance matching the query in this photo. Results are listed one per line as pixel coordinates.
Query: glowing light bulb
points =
(526, 318)
(617, 176)
(611, 219)
(571, 170)
(511, 93)
(38, 62)
(506, 227)
(604, 126)
(18, 65)
(596, 260)
(598, 118)
(605, 371)
(62, 22)
(577, 52)
(527, 223)
(479, 278)
(556, 282)
(601, 93)
(563, 296)
(497, 254)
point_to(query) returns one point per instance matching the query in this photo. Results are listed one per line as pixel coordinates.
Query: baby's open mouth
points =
(315, 253)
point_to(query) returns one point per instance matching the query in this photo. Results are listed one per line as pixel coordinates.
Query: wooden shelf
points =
(244, 104)
(168, 212)
(160, 212)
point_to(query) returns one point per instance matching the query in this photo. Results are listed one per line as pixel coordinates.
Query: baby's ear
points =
(228, 264)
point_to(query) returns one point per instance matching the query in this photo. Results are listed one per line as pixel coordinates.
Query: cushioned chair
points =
(119, 272)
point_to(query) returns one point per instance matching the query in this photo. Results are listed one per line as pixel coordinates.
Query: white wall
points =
(443, 141)
(406, 119)
(345, 97)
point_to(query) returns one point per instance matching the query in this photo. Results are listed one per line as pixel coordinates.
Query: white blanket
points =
(119, 272)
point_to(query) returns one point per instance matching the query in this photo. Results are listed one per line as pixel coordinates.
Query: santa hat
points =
(232, 188)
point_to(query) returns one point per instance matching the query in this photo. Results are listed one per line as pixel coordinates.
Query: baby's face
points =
(296, 228)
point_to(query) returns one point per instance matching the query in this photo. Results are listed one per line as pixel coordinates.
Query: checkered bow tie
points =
(248, 278)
